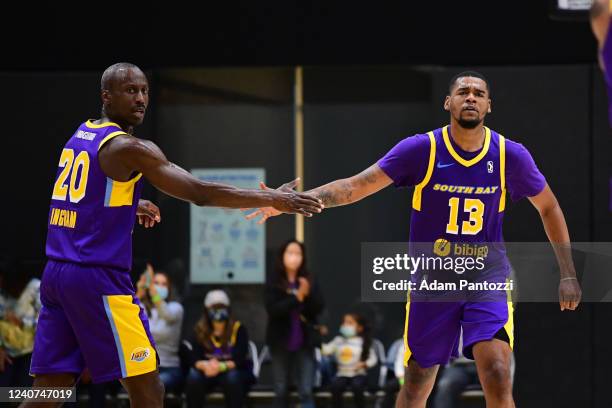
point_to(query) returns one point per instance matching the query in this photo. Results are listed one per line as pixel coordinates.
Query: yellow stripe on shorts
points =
(136, 354)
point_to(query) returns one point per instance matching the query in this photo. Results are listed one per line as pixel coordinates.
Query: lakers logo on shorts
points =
(140, 354)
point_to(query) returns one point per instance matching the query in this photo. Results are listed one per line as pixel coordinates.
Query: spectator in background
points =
(353, 354)
(293, 302)
(394, 384)
(220, 355)
(154, 289)
(17, 328)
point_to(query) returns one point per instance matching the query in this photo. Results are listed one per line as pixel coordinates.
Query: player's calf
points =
(145, 390)
(48, 381)
(493, 364)
(418, 383)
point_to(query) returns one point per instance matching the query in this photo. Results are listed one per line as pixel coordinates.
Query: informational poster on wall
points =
(225, 247)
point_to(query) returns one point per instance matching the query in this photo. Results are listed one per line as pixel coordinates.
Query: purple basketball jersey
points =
(91, 216)
(459, 197)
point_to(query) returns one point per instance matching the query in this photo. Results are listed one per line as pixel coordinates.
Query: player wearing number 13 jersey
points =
(461, 174)
(90, 315)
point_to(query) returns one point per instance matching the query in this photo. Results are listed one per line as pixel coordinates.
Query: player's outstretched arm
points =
(556, 229)
(339, 192)
(352, 189)
(145, 157)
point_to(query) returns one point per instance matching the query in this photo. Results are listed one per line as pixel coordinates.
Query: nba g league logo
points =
(490, 166)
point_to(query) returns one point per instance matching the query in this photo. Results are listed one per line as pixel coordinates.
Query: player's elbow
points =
(202, 201)
(551, 209)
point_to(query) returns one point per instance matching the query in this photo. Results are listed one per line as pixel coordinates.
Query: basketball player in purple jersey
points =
(90, 315)
(461, 173)
(600, 21)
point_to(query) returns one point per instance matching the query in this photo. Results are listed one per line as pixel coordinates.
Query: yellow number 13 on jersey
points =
(72, 167)
(473, 225)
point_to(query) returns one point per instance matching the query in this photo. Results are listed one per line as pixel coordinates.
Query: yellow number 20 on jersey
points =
(72, 167)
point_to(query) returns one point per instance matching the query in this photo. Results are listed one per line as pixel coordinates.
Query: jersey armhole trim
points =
(418, 190)
(502, 173)
(109, 137)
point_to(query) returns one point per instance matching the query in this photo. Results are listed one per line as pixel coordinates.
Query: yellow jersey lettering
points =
(63, 218)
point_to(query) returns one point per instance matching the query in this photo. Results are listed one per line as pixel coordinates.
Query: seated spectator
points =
(17, 327)
(220, 355)
(354, 354)
(393, 385)
(165, 315)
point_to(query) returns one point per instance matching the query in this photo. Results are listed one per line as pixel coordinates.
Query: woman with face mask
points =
(220, 355)
(165, 321)
(293, 303)
(353, 353)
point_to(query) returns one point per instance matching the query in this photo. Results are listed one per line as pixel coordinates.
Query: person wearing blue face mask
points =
(220, 355)
(353, 354)
(165, 320)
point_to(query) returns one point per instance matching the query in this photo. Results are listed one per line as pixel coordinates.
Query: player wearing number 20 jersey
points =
(90, 316)
(459, 197)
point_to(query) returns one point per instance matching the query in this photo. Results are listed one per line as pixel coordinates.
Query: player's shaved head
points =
(469, 74)
(116, 73)
(125, 94)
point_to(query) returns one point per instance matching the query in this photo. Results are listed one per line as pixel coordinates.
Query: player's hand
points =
(289, 201)
(569, 294)
(148, 213)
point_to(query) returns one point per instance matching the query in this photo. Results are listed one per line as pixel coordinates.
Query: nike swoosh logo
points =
(441, 166)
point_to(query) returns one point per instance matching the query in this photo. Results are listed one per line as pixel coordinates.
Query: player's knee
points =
(497, 374)
(414, 391)
(158, 389)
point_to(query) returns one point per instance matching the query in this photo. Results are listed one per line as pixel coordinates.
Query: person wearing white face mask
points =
(353, 354)
(165, 321)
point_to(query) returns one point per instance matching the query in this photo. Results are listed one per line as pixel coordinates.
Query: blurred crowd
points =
(217, 355)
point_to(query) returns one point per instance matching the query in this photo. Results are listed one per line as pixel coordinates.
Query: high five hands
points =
(310, 203)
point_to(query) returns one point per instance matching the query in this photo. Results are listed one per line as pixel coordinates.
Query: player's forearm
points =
(336, 193)
(558, 235)
(352, 189)
(220, 195)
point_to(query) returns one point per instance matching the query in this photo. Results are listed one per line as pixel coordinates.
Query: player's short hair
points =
(473, 74)
(110, 74)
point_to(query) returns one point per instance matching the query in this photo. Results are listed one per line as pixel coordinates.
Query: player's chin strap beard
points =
(469, 124)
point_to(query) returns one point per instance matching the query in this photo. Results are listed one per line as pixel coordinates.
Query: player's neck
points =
(126, 128)
(469, 140)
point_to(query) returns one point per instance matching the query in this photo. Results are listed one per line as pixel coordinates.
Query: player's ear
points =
(447, 103)
(105, 95)
(489, 109)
